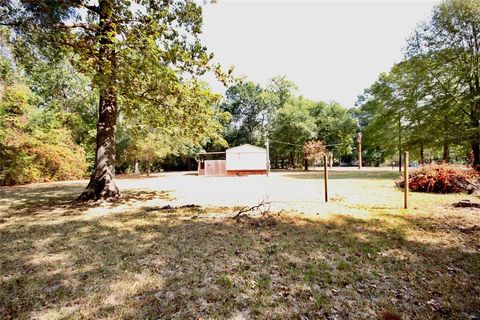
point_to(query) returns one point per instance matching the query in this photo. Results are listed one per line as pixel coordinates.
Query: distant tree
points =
(281, 90)
(449, 46)
(244, 102)
(292, 127)
(405, 109)
(335, 126)
(289, 120)
(253, 108)
(314, 151)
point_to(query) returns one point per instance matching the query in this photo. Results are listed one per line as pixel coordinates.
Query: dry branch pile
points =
(442, 178)
(263, 207)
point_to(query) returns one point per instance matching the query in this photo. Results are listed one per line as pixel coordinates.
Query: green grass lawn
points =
(59, 261)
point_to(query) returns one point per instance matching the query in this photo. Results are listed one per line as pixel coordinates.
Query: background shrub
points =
(34, 148)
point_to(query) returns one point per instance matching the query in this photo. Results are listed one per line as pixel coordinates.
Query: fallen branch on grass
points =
(466, 204)
(169, 207)
(263, 207)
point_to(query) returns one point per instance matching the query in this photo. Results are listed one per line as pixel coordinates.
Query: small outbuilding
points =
(246, 160)
(242, 160)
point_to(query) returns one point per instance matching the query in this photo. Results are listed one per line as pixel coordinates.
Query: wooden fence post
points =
(359, 140)
(325, 176)
(405, 179)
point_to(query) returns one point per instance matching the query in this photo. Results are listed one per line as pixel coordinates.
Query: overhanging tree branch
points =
(75, 25)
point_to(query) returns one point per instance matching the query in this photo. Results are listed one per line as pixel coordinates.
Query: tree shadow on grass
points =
(157, 264)
(463, 221)
(27, 201)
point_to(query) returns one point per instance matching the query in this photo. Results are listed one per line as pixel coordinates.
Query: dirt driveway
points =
(351, 192)
(294, 190)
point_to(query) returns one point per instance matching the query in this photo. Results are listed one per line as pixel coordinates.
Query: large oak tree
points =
(141, 55)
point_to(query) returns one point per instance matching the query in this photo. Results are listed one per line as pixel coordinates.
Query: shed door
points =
(215, 168)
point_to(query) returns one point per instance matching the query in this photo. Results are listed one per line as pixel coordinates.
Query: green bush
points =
(33, 152)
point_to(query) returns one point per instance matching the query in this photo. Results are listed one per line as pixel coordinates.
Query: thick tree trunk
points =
(305, 164)
(148, 169)
(102, 184)
(475, 112)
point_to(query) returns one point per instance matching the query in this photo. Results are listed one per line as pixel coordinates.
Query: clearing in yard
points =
(148, 255)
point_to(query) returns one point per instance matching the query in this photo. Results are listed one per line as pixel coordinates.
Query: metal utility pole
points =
(359, 140)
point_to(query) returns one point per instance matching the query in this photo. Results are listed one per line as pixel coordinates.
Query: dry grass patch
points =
(187, 263)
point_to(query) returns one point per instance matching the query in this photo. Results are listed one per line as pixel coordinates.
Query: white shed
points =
(245, 160)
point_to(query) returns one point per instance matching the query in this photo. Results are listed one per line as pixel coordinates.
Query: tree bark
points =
(422, 155)
(474, 116)
(476, 155)
(102, 184)
(305, 164)
(446, 152)
(102, 181)
(399, 143)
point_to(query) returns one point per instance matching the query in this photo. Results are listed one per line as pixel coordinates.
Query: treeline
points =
(289, 120)
(47, 120)
(49, 113)
(53, 82)
(429, 103)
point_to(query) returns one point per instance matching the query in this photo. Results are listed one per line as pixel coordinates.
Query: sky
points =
(332, 50)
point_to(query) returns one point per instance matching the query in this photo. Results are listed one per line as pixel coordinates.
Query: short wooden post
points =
(267, 144)
(405, 179)
(325, 176)
(359, 140)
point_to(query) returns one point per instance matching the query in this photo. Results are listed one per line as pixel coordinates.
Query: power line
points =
(291, 144)
(301, 145)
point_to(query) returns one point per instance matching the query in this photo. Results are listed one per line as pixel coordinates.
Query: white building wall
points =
(246, 161)
(246, 157)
